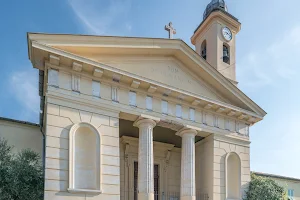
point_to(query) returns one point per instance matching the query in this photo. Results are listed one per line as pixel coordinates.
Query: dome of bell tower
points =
(214, 5)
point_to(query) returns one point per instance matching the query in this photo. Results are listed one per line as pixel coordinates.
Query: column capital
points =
(186, 131)
(146, 120)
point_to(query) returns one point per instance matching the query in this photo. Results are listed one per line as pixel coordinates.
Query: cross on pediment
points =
(170, 29)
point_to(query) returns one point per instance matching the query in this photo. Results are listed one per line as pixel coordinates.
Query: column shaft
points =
(188, 180)
(145, 160)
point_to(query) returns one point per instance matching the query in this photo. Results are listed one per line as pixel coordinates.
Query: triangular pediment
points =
(165, 70)
(170, 63)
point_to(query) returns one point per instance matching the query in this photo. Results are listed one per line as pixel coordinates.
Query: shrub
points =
(21, 174)
(262, 188)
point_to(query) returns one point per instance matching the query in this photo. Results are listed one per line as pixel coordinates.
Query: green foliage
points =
(261, 188)
(21, 174)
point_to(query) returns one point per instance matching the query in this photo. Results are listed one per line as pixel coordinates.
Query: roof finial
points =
(171, 30)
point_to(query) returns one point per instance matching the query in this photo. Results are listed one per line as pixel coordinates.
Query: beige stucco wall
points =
(22, 136)
(59, 119)
(211, 165)
(223, 146)
(204, 166)
(214, 52)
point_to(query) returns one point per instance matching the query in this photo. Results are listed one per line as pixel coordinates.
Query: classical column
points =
(145, 160)
(188, 181)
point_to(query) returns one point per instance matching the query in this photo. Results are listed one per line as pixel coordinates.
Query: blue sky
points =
(268, 57)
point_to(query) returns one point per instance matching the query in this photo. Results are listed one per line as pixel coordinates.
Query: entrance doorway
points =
(156, 181)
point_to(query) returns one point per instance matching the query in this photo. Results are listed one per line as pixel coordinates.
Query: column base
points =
(188, 198)
(145, 196)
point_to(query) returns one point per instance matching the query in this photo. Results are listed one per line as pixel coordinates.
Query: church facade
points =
(144, 118)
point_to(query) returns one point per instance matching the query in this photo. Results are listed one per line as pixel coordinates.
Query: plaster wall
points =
(221, 148)
(22, 136)
(59, 119)
(214, 52)
(204, 166)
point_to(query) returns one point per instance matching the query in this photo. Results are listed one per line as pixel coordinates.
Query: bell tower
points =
(214, 38)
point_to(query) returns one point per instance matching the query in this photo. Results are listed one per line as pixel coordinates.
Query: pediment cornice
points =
(181, 50)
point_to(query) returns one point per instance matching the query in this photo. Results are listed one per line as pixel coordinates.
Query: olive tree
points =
(21, 174)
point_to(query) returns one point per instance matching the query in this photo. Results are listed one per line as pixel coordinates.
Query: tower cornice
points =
(220, 14)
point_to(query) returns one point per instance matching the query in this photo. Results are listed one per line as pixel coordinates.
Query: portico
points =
(157, 153)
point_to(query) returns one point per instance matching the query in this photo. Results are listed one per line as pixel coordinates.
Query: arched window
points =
(84, 159)
(203, 49)
(233, 176)
(226, 54)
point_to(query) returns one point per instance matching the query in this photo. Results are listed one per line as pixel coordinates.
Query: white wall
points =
(22, 136)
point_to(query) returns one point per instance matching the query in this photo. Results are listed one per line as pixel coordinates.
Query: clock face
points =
(226, 32)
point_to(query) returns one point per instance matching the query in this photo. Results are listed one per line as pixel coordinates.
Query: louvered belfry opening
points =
(156, 181)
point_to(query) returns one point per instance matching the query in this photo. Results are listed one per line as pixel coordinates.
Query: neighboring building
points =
(21, 135)
(292, 185)
(144, 118)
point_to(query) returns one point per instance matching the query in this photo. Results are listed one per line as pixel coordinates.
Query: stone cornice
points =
(157, 145)
(56, 96)
(231, 139)
(163, 44)
(217, 15)
(135, 77)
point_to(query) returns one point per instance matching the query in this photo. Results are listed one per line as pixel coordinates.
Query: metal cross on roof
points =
(171, 30)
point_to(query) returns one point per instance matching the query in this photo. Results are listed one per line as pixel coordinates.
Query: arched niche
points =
(233, 176)
(84, 159)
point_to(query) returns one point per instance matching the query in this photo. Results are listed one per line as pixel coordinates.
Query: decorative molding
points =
(232, 139)
(208, 106)
(126, 154)
(85, 191)
(135, 84)
(242, 116)
(75, 83)
(116, 77)
(186, 50)
(77, 67)
(115, 94)
(167, 92)
(156, 145)
(54, 60)
(98, 72)
(181, 96)
(252, 119)
(173, 125)
(196, 102)
(152, 89)
(167, 160)
(220, 110)
(231, 113)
